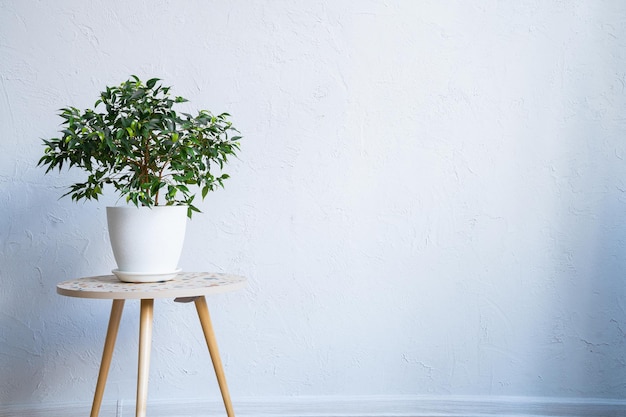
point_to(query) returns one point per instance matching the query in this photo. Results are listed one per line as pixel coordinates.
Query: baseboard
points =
(357, 406)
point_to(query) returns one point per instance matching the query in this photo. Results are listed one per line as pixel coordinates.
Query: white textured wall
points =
(430, 197)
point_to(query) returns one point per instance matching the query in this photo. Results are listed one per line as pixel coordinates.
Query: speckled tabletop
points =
(185, 284)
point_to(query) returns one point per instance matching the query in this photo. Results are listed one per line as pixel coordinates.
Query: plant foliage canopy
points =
(142, 147)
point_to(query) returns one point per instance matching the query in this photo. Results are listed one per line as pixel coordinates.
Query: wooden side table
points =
(185, 287)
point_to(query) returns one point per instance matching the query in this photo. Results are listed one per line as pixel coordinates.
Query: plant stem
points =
(145, 171)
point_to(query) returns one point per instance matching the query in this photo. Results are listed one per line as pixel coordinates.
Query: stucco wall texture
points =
(430, 197)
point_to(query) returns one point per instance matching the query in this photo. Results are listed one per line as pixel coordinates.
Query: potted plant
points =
(153, 157)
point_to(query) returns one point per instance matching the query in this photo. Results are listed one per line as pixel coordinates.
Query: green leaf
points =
(151, 82)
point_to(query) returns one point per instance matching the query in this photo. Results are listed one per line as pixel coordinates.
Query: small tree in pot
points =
(143, 148)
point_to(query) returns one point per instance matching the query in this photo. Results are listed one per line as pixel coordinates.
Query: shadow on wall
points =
(583, 296)
(587, 320)
(591, 262)
(591, 241)
(40, 247)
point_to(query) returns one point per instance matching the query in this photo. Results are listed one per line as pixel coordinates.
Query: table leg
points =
(145, 340)
(207, 327)
(107, 354)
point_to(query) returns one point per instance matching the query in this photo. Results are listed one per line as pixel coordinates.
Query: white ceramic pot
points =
(147, 242)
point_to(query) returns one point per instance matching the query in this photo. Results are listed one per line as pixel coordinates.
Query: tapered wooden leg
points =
(107, 354)
(207, 327)
(145, 341)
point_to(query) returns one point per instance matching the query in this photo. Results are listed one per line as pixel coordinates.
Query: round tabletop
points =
(185, 284)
